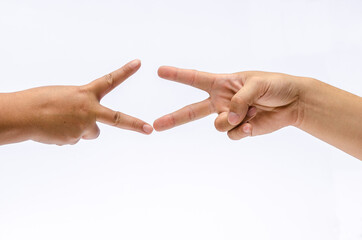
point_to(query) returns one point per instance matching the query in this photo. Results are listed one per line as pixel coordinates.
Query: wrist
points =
(15, 124)
(303, 86)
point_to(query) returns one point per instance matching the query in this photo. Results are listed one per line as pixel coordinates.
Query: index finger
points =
(194, 78)
(107, 83)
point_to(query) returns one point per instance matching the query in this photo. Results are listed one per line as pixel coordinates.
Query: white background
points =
(191, 182)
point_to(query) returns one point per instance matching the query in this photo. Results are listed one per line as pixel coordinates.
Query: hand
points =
(65, 114)
(247, 103)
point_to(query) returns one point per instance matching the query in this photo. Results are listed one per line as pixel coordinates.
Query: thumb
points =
(241, 101)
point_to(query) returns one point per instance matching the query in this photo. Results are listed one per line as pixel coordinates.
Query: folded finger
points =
(222, 124)
(241, 131)
(92, 132)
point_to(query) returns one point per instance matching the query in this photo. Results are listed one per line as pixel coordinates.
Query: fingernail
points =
(251, 112)
(246, 129)
(134, 63)
(233, 118)
(147, 128)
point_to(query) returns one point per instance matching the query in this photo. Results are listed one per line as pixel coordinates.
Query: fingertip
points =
(163, 123)
(147, 129)
(157, 125)
(160, 71)
(247, 128)
(135, 63)
(164, 72)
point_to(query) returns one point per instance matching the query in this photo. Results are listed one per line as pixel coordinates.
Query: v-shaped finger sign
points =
(66, 114)
(220, 87)
(102, 86)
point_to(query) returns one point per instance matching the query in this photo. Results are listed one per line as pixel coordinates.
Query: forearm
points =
(14, 121)
(332, 115)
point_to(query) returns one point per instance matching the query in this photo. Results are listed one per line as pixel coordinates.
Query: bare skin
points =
(65, 114)
(255, 103)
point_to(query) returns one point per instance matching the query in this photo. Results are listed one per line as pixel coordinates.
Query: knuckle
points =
(72, 140)
(244, 76)
(237, 100)
(191, 113)
(126, 69)
(97, 133)
(93, 134)
(231, 82)
(85, 102)
(78, 130)
(226, 83)
(109, 80)
(137, 124)
(134, 124)
(85, 89)
(256, 78)
(75, 141)
(193, 77)
(177, 74)
(117, 118)
(172, 120)
(212, 107)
